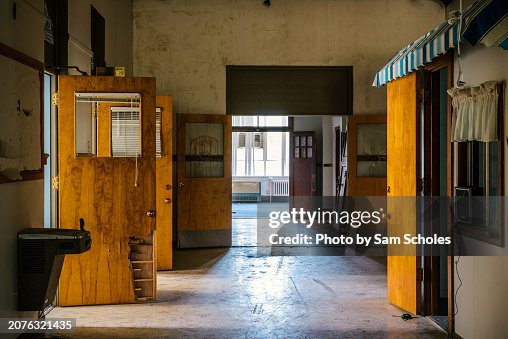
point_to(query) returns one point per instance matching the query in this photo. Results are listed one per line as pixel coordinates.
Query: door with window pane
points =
(106, 163)
(302, 178)
(204, 180)
(367, 155)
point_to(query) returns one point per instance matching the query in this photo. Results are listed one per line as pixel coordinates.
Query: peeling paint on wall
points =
(20, 143)
(186, 44)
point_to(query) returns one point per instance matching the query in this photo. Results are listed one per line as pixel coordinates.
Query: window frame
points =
(463, 179)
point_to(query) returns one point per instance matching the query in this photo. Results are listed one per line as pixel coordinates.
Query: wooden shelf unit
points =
(144, 275)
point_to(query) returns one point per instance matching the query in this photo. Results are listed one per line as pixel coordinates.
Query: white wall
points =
(483, 297)
(118, 17)
(186, 44)
(21, 203)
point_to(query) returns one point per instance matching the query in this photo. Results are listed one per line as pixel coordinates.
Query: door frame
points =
(164, 185)
(432, 172)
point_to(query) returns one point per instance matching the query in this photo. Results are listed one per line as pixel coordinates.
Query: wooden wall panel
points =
(402, 149)
(164, 169)
(103, 192)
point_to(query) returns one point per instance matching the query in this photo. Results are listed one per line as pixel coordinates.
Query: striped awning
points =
(490, 26)
(445, 36)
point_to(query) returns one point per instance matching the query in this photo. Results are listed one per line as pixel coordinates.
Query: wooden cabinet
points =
(144, 274)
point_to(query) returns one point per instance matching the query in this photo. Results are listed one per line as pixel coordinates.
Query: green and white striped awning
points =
(493, 15)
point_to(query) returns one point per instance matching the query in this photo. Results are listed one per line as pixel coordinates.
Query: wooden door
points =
(111, 194)
(164, 182)
(204, 180)
(302, 172)
(367, 155)
(404, 280)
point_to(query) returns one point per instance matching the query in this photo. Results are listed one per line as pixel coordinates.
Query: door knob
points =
(167, 201)
(168, 187)
(181, 184)
(150, 213)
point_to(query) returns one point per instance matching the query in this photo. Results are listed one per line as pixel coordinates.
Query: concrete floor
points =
(236, 293)
(219, 293)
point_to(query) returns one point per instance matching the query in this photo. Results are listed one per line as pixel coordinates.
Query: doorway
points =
(274, 159)
(260, 168)
(437, 167)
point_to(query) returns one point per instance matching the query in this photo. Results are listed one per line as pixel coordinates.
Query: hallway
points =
(232, 293)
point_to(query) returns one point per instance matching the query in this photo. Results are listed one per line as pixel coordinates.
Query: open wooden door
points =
(204, 180)
(403, 121)
(112, 187)
(164, 182)
(367, 155)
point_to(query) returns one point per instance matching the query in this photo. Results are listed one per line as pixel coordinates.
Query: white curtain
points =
(474, 113)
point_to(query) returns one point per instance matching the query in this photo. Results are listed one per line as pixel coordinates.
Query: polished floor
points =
(239, 293)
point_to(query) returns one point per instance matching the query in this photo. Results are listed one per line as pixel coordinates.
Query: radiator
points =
(246, 191)
(279, 188)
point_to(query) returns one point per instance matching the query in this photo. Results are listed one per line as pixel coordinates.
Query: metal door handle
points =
(167, 201)
(168, 187)
(181, 184)
(150, 213)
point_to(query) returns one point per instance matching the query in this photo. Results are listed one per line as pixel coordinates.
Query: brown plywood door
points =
(367, 155)
(164, 182)
(404, 285)
(204, 180)
(113, 193)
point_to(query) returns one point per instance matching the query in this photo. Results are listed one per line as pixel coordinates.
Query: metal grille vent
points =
(33, 257)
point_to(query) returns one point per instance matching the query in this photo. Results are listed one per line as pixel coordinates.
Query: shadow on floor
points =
(204, 332)
(192, 259)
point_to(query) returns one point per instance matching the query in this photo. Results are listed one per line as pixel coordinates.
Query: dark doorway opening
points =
(98, 40)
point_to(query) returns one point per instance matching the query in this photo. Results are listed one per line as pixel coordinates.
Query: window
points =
(158, 131)
(260, 154)
(258, 141)
(476, 133)
(260, 121)
(241, 140)
(260, 146)
(125, 128)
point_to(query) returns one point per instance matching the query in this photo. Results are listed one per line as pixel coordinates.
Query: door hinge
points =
(422, 96)
(55, 182)
(421, 185)
(54, 98)
(420, 274)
